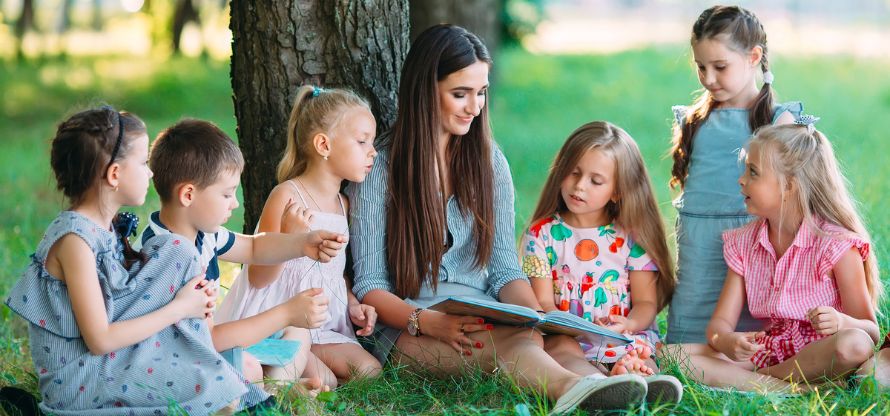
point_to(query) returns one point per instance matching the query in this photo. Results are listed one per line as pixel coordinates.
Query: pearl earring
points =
(325, 158)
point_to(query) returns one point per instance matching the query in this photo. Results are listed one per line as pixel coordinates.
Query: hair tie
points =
(125, 224)
(316, 91)
(807, 120)
(768, 77)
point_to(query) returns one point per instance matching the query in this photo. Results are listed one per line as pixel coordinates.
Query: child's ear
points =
(322, 144)
(112, 175)
(185, 193)
(756, 55)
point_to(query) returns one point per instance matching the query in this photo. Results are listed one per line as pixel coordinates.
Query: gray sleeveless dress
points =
(710, 204)
(176, 368)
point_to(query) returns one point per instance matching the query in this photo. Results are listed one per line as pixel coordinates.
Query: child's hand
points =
(618, 323)
(825, 320)
(740, 346)
(364, 316)
(308, 309)
(194, 300)
(323, 245)
(211, 290)
(295, 219)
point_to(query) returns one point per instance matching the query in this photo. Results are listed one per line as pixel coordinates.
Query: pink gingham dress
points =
(781, 291)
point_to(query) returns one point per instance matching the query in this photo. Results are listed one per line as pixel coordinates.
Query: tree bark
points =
(482, 17)
(279, 46)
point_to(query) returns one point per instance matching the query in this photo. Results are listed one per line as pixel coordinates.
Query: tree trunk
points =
(481, 17)
(279, 46)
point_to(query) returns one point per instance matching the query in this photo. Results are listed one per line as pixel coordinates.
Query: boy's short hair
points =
(191, 151)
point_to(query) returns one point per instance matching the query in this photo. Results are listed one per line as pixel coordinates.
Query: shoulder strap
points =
(299, 194)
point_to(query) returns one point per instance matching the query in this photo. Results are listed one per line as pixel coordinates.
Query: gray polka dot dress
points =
(176, 369)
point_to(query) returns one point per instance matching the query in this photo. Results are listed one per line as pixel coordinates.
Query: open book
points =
(555, 322)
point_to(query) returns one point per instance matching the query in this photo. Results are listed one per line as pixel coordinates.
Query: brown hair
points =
(191, 151)
(806, 157)
(636, 210)
(82, 149)
(739, 30)
(315, 110)
(415, 216)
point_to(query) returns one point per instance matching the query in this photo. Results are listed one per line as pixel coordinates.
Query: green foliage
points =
(537, 101)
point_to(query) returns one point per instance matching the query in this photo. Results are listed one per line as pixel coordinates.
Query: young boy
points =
(197, 171)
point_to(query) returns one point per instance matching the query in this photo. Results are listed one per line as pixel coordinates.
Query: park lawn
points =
(536, 102)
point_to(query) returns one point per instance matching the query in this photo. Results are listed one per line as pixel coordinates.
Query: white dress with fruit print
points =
(589, 269)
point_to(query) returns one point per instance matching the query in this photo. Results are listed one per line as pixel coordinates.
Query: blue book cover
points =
(274, 352)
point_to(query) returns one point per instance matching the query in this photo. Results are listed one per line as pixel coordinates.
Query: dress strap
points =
(299, 194)
(342, 207)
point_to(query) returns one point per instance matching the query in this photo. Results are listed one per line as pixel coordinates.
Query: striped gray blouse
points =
(367, 235)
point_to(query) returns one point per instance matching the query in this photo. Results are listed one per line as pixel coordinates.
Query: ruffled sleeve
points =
(794, 107)
(41, 298)
(733, 241)
(537, 257)
(833, 246)
(679, 114)
(638, 259)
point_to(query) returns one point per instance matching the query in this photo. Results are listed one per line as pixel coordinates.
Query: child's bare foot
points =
(634, 362)
(308, 387)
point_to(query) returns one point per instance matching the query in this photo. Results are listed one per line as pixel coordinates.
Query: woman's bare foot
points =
(634, 362)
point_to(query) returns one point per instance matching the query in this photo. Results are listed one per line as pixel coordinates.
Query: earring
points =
(325, 158)
(115, 189)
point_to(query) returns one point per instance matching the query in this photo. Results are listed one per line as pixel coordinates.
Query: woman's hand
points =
(739, 346)
(364, 316)
(452, 329)
(196, 298)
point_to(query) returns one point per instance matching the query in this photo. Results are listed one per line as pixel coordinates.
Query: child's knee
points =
(251, 368)
(368, 366)
(853, 346)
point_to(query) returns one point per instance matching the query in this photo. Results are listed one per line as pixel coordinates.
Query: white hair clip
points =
(807, 120)
(768, 77)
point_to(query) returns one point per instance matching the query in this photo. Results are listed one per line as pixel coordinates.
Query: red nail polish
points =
(468, 352)
(480, 321)
(478, 344)
(489, 327)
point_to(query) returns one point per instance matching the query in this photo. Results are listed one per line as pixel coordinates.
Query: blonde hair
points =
(635, 211)
(796, 153)
(315, 110)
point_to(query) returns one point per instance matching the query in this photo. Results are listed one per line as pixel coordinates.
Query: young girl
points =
(110, 333)
(597, 248)
(729, 47)
(805, 266)
(330, 140)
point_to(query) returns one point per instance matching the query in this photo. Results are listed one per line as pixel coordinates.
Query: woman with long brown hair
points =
(434, 218)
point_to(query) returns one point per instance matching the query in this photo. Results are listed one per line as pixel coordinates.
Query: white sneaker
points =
(663, 388)
(602, 393)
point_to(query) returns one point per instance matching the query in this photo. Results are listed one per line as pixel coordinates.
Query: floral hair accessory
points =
(768, 77)
(807, 120)
(125, 223)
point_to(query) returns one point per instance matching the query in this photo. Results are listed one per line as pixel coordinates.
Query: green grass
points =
(536, 102)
